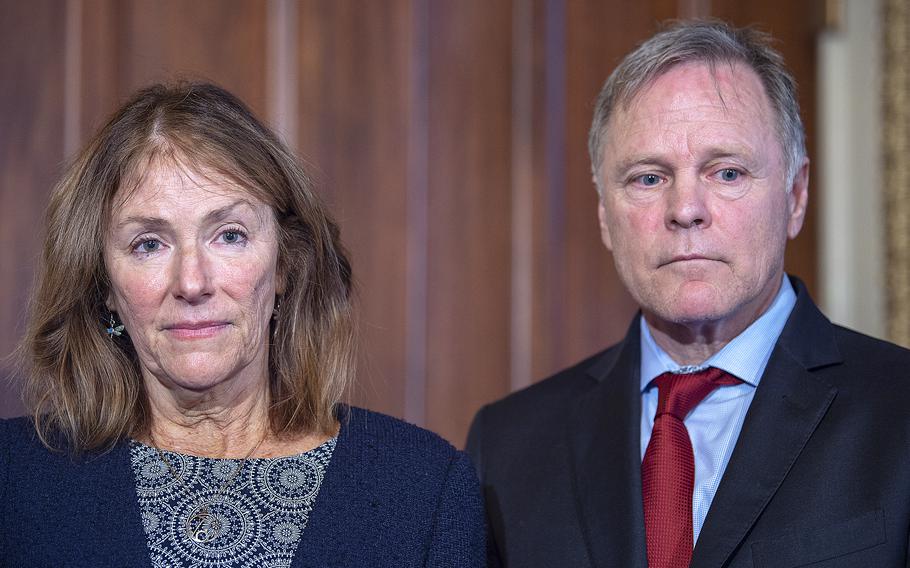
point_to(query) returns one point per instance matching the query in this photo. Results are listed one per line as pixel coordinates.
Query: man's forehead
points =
(698, 95)
(693, 113)
(724, 83)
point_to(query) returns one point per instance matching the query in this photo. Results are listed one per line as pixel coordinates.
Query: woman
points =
(190, 338)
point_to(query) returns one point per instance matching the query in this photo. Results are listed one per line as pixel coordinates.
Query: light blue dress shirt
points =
(715, 423)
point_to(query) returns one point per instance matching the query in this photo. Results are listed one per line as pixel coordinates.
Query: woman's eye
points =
(233, 236)
(648, 180)
(148, 245)
(729, 174)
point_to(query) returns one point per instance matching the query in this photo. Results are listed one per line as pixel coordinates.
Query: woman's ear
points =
(280, 279)
(109, 302)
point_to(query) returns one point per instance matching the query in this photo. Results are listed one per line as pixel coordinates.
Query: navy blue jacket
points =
(393, 495)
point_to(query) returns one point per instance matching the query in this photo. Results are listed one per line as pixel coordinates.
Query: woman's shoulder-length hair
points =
(84, 388)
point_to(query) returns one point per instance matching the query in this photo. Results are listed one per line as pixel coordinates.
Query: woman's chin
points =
(199, 372)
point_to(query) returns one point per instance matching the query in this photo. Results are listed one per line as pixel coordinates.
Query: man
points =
(734, 425)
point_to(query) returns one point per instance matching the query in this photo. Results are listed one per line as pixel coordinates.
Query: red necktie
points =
(668, 470)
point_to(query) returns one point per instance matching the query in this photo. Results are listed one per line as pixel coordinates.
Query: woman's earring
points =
(277, 309)
(114, 328)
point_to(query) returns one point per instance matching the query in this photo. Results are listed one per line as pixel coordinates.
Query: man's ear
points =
(604, 227)
(798, 200)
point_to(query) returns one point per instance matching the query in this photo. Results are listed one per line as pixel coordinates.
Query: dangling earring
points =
(277, 309)
(114, 328)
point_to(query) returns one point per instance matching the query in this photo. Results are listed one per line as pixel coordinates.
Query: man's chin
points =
(690, 310)
(687, 300)
(689, 318)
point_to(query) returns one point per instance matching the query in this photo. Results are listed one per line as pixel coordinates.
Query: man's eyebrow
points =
(733, 151)
(714, 153)
(625, 165)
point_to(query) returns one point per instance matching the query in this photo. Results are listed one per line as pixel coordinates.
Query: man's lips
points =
(687, 258)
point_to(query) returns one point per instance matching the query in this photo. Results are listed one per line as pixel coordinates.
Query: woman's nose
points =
(192, 275)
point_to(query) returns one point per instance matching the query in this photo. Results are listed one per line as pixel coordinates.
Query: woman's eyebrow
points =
(151, 223)
(157, 223)
(223, 213)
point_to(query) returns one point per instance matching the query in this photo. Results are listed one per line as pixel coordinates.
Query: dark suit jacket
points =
(820, 474)
(393, 495)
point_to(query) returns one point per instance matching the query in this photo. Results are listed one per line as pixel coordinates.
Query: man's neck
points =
(693, 343)
(687, 345)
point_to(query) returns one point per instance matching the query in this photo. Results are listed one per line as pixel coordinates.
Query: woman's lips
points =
(196, 329)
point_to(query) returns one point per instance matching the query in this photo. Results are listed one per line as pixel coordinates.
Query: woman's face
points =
(192, 262)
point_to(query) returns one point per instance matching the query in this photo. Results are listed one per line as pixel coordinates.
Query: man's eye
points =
(728, 174)
(648, 180)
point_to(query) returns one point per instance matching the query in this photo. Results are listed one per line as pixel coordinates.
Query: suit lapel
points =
(604, 435)
(788, 405)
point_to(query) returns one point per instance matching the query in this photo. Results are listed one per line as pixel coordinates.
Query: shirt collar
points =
(744, 357)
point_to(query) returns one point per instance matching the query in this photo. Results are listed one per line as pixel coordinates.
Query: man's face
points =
(695, 205)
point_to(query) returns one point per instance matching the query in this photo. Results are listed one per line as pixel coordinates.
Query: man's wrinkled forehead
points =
(721, 102)
(627, 95)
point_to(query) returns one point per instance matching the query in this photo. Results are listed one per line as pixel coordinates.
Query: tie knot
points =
(679, 393)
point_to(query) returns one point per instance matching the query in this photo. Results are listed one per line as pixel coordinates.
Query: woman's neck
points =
(208, 428)
(234, 427)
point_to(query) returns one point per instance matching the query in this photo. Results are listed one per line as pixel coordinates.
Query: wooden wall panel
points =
(98, 90)
(469, 268)
(220, 40)
(32, 39)
(128, 44)
(354, 119)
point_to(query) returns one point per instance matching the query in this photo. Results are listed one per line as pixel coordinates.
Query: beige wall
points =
(852, 219)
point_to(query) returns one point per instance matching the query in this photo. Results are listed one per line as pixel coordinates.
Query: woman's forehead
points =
(176, 183)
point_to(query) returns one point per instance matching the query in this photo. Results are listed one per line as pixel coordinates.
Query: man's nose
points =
(192, 275)
(687, 205)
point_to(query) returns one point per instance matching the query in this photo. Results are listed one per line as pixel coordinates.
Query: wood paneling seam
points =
(72, 78)
(415, 390)
(281, 69)
(520, 331)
